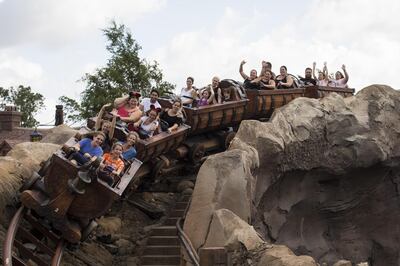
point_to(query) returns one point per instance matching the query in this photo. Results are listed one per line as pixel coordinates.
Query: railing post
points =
(213, 256)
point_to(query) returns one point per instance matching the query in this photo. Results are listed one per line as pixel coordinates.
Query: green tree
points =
(124, 71)
(28, 102)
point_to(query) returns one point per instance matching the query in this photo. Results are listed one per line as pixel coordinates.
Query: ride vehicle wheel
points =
(196, 152)
(44, 167)
(157, 169)
(227, 139)
(88, 230)
(30, 182)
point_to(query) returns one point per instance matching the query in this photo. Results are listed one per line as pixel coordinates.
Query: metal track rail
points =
(32, 243)
(186, 243)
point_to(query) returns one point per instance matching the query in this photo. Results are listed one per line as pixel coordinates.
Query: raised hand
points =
(314, 64)
(344, 67)
(243, 62)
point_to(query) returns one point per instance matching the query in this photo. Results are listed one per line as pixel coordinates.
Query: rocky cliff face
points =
(323, 175)
(327, 185)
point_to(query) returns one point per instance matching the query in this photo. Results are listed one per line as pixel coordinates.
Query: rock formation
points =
(59, 135)
(322, 177)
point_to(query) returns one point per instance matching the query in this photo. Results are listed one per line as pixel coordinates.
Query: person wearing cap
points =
(147, 102)
(127, 108)
(148, 123)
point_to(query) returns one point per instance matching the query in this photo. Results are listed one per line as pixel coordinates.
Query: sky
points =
(49, 45)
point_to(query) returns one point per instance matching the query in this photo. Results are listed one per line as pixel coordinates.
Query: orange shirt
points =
(118, 164)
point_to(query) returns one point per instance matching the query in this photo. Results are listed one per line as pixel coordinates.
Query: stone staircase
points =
(163, 246)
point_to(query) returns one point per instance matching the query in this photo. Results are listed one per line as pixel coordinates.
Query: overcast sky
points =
(49, 45)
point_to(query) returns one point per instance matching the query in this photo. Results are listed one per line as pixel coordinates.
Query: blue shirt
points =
(129, 154)
(86, 147)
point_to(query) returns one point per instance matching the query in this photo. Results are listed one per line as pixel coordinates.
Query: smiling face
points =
(205, 94)
(133, 102)
(131, 139)
(117, 150)
(153, 97)
(189, 83)
(97, 140)
(267, 75)
(283, 71)
(320, 75)
(153, 115)
(106, 127)
(226, 94)
(253, 74)
(176, 106)
(215, 82)
(308, 73)
(338, 75)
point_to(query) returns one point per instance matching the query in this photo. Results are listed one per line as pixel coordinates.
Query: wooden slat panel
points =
(278, 101)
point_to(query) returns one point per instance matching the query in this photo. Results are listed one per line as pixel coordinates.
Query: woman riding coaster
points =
(88, 149)
(127, 109)
(149, 123)
(284, 81)
(188, 95)
(171, 119)
(128, 147)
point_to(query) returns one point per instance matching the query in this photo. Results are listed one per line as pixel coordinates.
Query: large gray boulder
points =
(59, 135)
(328, 175)
(322, 177)
(223, 182)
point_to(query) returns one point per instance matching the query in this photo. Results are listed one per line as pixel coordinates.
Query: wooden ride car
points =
(71, 196)
(262, 103)
(322, 91)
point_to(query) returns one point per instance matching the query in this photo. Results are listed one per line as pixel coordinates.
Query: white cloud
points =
(16, 70)
(340, 32)
(55, 23)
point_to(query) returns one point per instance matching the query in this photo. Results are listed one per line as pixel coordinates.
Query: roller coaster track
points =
(28, 239)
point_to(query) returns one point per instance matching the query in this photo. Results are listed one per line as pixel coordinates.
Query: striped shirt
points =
(117, 165)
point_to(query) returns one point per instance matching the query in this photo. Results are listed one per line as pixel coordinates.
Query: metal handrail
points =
(186, 243)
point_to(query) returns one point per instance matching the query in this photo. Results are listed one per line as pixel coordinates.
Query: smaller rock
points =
(109, 225)
(147, 196)
(188, 191)
(132, 261)
(184, 185)
(342, 263)
(363, 264)
(124, 246)
(113, 249)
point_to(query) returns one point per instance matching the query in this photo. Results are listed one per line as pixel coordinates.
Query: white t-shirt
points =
(341, 83)
(146, 104)
(150, 128)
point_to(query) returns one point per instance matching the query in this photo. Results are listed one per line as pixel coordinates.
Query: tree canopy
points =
(28, 102)
(124, 71)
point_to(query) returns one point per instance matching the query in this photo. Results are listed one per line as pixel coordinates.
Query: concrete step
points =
(171, 221)
(185, 198)
(163, 241)
(161, 260)
(177, 213)
(169, 230)
(181, 205)
(162, 250)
